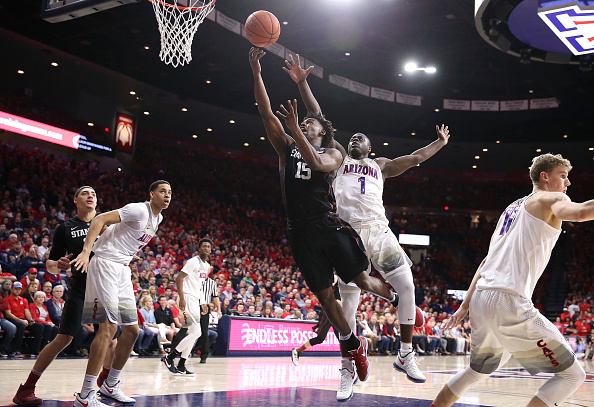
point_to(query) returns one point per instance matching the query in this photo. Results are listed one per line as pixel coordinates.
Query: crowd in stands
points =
(236, 202)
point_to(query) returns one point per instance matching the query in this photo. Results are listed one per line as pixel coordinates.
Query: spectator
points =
(146, 310)
(6, 276)
(18, 313)
(57, 302)
(41, 315)
(9, 330)
(30, 277)
(47, 289)
(6, 288)
(31, 290)
(267, 313)
(31, 260)
(164, 318)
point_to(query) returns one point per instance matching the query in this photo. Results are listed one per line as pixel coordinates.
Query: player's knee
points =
(562, 385)
(464, 380)
(62, 340)
(390, 259)
(131, 331)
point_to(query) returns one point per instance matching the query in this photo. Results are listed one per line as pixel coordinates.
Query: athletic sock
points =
(34, 375)
(405, 348)
(342, 337)
(301, 349)
(182, 364)
(88, 385)
(353, 343)
(173, 353)
(113, 378)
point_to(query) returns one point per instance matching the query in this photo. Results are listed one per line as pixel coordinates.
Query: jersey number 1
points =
(303, 171)
(362, 181)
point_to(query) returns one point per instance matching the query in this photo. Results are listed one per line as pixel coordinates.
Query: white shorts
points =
(383, 249)
(506, 321)
(192, 313)
(109, 294)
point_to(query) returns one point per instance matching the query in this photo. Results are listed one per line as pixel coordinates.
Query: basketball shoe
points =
(348, 378)
(184, 372)
(25, 396)
(89, 401)
(169, 365)
(114, 392)
(359, 357)
(295, 356)
(408, 364)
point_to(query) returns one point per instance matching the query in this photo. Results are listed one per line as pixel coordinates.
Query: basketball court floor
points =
(275, 382)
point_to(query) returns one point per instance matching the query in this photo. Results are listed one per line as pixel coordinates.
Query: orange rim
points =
(212, 2)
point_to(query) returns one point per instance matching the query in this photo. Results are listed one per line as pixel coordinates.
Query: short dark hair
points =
(205, 240)
(163, 296)
(78, 191)
(155, 184)
(326, 124)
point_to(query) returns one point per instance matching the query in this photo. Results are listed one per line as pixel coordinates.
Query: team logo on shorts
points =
(573, 26)
(547, 352)
(95, 308)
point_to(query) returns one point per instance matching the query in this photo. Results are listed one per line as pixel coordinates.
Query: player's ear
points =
(544, 176)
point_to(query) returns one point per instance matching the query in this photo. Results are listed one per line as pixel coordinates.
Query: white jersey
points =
(121, 241)
(197, 271)
(359, 186)
(519, 251)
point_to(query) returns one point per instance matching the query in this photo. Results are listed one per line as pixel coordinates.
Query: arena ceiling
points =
(103, 56)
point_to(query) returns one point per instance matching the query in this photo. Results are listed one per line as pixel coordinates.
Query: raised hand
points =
(290, 116)
(254, 57)
(443, 133)
(295, 71)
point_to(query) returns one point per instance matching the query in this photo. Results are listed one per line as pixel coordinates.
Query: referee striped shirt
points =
(209, 290)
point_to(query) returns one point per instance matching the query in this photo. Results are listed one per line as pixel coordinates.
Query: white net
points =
(178, 21)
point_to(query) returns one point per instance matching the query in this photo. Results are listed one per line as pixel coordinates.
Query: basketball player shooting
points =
(359, 186)
(320, 240)
(504, 321)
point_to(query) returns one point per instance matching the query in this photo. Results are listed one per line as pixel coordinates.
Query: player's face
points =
(205, 248)
(359, 145)
(559, 179)
(86, 199)
(161, 197)
(312, 128)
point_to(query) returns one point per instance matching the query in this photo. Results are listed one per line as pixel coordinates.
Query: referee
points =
(209, 293)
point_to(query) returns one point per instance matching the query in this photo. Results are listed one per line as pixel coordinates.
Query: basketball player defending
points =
(504, 321)
(109, 298)
(68, 241)
(189, 288)
(359, 187)
(320, 240)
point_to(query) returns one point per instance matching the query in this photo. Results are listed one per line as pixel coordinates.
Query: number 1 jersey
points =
(307, 194)
(359, 186)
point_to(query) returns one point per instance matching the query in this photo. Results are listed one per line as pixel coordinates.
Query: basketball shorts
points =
(322, 246)
(109, 293)
(191, 315)
(73, 309)
(383, 249)
(506, 321)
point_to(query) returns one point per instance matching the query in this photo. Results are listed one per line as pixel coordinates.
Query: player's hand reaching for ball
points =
(295, 71)
(443, 133)
(255, 55)
(290, 116)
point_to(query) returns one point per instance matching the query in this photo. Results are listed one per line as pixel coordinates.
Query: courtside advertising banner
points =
(258, 335)
(45, 132)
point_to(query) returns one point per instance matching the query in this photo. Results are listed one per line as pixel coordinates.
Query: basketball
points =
(419, 318)
(262, 28)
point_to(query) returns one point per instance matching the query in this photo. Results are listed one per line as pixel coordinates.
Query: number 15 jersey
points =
(307, 194)
(359, 186)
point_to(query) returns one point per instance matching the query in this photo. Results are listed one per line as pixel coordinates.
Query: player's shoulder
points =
(549, 198)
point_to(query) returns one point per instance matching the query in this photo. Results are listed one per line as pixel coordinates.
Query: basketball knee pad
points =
(349, 298)
(402, 281)
(562, 385)
(464, 380)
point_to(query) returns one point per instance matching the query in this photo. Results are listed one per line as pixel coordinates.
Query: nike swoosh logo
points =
(84, 404)
(401, 361)
(109, 391)
(410, 319)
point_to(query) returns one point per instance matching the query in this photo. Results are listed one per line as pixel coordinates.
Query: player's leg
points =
(186, 345)
(204, 320)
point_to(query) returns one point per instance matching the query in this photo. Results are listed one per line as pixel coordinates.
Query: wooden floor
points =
(274, 381)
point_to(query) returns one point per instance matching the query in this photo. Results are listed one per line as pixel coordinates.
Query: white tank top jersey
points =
(519, 251)
(359, 186)
(197, 271)
(121, 241)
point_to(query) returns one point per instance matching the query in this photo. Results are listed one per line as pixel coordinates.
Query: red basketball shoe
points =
(359, 356)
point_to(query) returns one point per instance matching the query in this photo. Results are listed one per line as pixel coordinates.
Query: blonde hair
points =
(547, 163)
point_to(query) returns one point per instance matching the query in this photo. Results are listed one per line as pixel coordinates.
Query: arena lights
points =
(413, 67)
(232, 121)
(538, 150)
(209, 129)
(20, 72)
(194, 136)
(262, 138)
(485, 149)
(246, 144)
(54, 64)
(184, 109)
(386, 143)
(132, 92)
(146, 113)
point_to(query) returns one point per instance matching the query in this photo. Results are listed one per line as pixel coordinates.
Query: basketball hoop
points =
(178, 21)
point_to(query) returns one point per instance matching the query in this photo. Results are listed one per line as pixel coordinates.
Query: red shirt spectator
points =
(17, 306)
(36, 313)
(30, 276)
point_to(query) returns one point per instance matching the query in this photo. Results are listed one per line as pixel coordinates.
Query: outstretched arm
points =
(326, 161)
(299, 75)
(566, 210)
(274, 129)
(395, 167)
